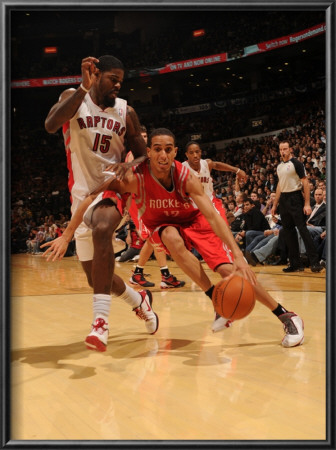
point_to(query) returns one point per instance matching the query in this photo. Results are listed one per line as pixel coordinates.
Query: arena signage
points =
(187, 64)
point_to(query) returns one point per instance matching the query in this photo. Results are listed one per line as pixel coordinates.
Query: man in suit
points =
(316, 222)
(255, 223)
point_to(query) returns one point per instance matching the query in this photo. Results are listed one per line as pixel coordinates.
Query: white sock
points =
(131, 297)
(101, 306)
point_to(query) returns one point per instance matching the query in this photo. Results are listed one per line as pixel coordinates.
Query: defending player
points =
(173, 206)
(96, 123)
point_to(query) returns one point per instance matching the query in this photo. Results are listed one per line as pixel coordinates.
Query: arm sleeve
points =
(299, 168)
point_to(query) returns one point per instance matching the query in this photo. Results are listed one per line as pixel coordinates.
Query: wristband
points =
(238, 171)
(84, 89)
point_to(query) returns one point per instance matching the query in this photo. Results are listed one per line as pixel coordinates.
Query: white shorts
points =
(84, 244)
(83, 234)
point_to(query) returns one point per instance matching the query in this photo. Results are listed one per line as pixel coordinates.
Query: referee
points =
(294, 206)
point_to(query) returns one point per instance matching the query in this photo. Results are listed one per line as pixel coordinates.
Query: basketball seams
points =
(238, 301)
(240, 298)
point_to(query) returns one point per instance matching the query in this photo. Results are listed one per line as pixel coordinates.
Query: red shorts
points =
(139, 225)
(198, 235)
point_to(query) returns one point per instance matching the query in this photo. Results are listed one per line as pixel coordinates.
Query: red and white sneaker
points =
(138, 278)
(220, 323)
(170, 282)
(293, 326)
(97, 339)
(144, 312)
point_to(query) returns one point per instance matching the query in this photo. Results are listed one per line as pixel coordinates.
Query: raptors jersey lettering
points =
(94, 138)
(157, 205)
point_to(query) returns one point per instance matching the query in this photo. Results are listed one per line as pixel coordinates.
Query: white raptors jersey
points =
(204, 177)
(94, 138)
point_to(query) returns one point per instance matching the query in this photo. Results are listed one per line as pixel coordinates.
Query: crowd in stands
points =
(248, 204)
(41, 204)
(294, 103)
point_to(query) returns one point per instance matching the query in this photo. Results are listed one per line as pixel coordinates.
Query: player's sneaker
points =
(170, 282)
(220, 323)
(97, 339)
(138, 278)
(293, 326)
(144, 312)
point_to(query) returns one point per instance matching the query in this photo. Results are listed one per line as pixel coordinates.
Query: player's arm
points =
(58, 247)
(71, 99)
(223, 167)
(135, 141)
(306, 195)
(219, 226)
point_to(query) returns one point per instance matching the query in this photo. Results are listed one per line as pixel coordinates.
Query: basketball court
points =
(184, 382)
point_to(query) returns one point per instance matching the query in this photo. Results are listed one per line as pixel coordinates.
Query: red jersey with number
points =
(156, 204)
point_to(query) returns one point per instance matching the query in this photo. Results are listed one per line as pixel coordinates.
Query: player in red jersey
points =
(168, 280)
(173, 206)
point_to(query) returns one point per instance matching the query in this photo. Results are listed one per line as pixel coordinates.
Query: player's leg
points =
(293, 324)
(104, 220)
(184, 258)
(167, 279)
(138, 275)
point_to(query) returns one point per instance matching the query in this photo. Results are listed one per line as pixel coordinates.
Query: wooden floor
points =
(183, 383)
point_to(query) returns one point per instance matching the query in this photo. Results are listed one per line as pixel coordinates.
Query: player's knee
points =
(102, 231)
(172, 239)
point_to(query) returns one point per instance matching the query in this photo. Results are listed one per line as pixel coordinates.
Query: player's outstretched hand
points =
(118, 170)
(57, 248)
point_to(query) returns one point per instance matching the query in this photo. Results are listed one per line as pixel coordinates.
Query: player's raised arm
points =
(71, 99)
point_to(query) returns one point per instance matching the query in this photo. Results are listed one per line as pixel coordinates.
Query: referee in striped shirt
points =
(293, 197)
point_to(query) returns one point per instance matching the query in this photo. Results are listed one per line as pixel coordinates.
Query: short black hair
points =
(108, 62)
(191, 143)
(160, 132)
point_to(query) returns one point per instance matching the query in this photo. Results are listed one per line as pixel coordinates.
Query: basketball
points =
(233, 299)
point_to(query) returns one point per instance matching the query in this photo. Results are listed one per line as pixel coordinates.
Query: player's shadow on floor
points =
(56, 356)
(49, 357)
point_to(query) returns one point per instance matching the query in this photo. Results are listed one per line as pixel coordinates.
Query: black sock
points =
(209, 292)
(279, 310)
(165, 271)
(139, 269)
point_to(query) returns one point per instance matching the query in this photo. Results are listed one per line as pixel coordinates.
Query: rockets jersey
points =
(94, 138)
(156, 204)
(204, 177)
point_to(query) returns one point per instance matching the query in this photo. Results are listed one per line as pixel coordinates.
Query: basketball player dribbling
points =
(95, 124)
(179, 215)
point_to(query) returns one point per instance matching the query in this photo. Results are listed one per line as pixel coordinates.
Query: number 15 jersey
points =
(94, 138)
